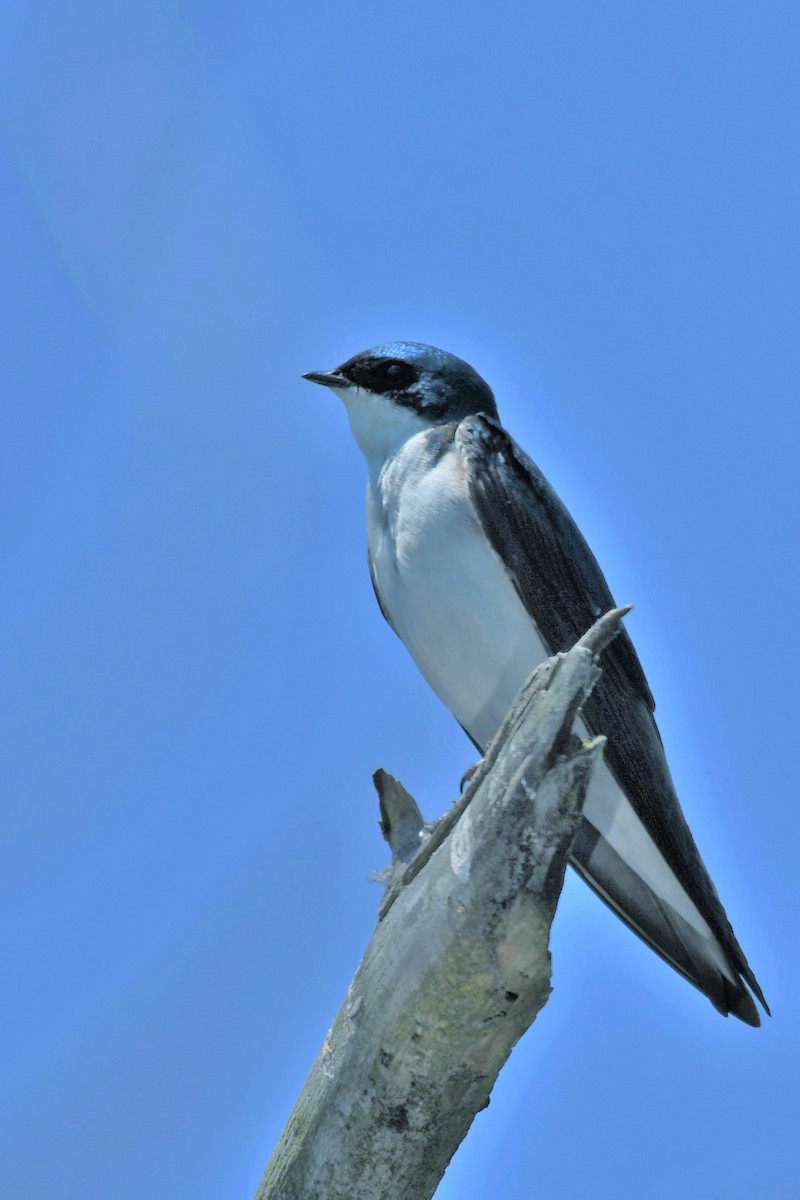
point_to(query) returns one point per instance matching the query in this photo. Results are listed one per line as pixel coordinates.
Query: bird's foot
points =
(466, 778)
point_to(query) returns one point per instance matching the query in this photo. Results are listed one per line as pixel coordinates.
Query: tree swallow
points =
(481, 571)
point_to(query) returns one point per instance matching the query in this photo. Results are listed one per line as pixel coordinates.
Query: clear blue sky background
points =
(596, 205)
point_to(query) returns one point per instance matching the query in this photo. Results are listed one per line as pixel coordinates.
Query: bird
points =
(481, 571)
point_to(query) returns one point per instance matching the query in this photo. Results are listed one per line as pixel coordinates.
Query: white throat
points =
(379, 426)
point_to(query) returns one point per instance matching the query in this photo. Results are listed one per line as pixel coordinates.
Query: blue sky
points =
(596, 205)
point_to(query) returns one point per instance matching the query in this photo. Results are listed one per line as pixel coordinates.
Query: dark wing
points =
(562, 587)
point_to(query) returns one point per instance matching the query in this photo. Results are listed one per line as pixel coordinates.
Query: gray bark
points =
(459, 964)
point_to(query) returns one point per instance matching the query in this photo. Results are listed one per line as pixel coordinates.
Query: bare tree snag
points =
(459, 964)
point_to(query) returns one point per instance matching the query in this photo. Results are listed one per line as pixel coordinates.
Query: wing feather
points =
(563, 589)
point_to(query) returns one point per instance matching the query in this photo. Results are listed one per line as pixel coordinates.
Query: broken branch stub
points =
(459, 964)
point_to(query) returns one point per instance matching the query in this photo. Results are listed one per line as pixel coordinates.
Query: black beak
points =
(331, 379)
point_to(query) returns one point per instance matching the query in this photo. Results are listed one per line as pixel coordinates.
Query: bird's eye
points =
(393, 373)
(379, 374)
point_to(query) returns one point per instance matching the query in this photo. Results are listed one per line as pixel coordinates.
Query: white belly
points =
(452, 603)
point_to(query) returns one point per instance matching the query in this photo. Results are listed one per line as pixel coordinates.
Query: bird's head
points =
(401, 388)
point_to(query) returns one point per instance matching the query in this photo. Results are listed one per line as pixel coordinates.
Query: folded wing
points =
(563, 589)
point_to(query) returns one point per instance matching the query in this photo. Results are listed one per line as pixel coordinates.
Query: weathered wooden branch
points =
(458, 966)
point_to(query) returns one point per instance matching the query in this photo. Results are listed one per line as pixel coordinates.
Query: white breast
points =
(445, 589)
